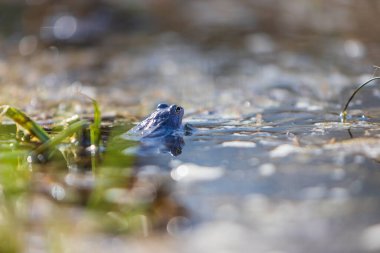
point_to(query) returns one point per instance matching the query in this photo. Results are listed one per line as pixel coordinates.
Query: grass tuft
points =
(343, 114)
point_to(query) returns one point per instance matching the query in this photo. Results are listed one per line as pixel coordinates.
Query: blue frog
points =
(165, 120)
(161, 131)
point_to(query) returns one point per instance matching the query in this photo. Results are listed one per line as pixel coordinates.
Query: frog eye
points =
(178, 109)
(162, 106)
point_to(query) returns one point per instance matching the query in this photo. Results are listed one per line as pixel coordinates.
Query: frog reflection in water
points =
(162, 130)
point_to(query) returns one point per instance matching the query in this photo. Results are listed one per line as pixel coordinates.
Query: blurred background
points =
(88, 22)
(136, 44)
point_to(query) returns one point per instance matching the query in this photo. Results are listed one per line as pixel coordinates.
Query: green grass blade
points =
(95, 126)
(54, 141)
(95, 133)
(25, 122)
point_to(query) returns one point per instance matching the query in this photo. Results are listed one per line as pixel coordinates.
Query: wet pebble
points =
(284, 150)
(239, 144)
(189, 172)
(267, 169)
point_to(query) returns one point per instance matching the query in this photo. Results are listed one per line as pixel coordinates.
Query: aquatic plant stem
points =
(343, 114)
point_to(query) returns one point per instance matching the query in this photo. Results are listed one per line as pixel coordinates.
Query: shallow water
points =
(301, 179)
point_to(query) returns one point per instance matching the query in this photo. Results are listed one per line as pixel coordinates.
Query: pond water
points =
(279, 180)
